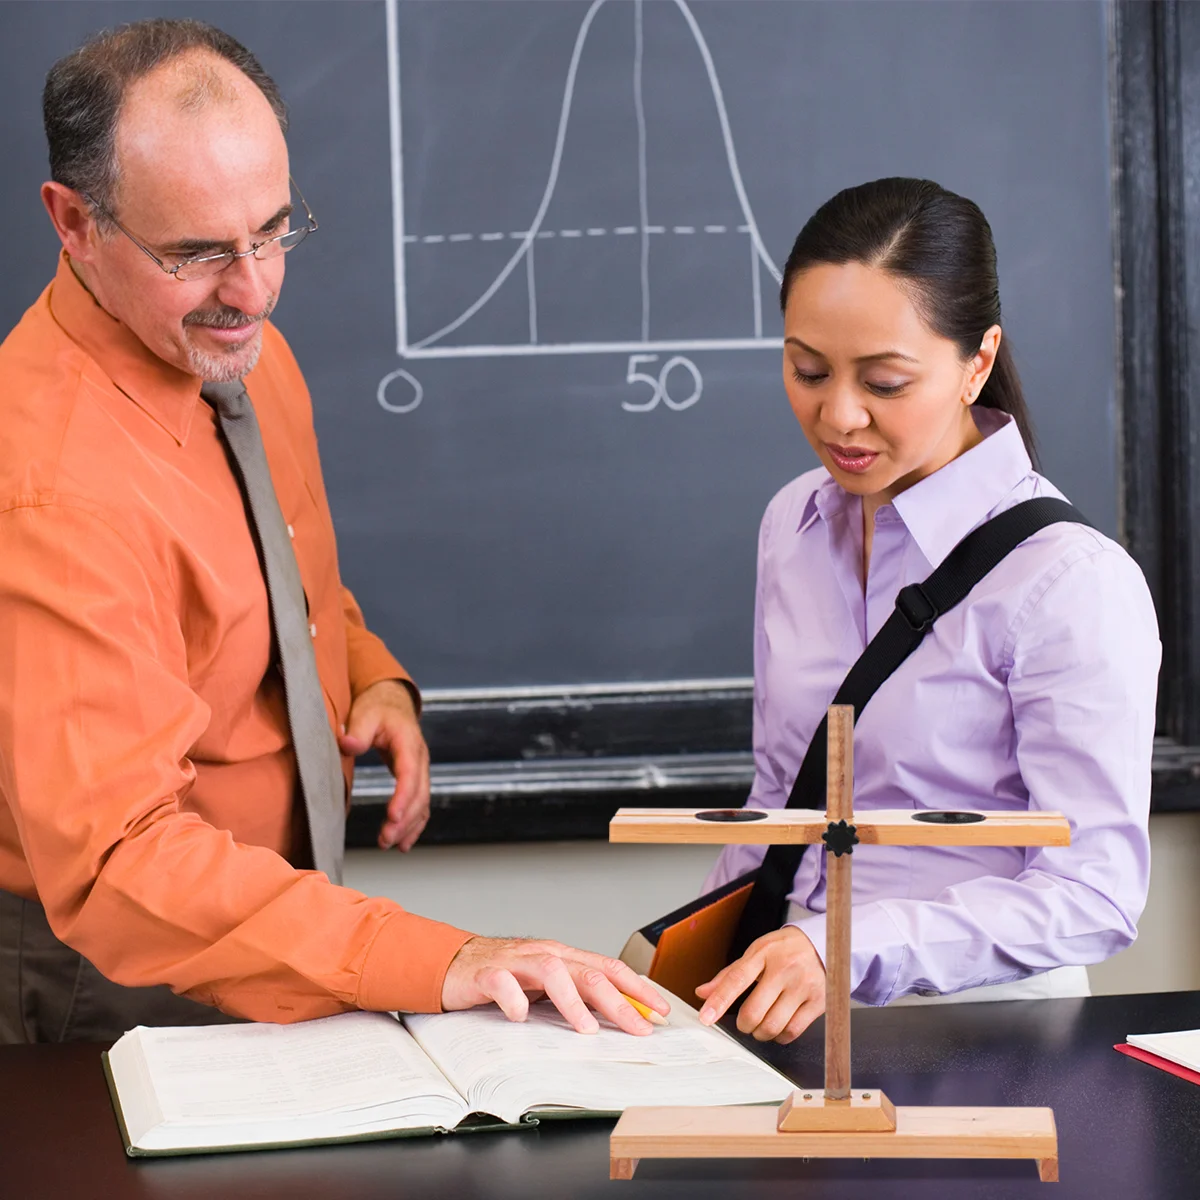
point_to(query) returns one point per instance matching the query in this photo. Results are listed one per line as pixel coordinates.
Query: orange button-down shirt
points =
(147, 780)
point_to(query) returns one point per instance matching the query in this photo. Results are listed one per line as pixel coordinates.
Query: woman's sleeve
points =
(1083, 685)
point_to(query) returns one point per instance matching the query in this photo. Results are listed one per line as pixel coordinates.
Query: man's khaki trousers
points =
(50, 993)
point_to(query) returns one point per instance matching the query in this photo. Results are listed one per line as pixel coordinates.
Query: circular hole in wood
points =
(948, 818)
(732, 814)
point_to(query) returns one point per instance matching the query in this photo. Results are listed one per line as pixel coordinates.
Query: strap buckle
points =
(916, 608)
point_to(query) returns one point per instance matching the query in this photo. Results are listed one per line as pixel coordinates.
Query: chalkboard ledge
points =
(557, 799)
(568, 799)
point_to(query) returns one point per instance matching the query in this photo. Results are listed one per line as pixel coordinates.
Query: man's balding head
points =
(166, 143)
(87, 90)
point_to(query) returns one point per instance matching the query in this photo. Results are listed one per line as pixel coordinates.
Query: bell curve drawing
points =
(630, 233)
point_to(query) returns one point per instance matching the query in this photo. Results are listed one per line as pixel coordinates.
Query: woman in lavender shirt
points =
(1037, 692)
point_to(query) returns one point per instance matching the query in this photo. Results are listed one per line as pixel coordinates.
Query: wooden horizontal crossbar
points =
(879, 827)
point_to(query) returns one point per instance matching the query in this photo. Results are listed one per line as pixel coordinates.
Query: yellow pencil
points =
(655, 1018)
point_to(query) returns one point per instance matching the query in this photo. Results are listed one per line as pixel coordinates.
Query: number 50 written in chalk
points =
(659, 386)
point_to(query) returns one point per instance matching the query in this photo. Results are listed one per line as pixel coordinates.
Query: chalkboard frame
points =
(1156, 133)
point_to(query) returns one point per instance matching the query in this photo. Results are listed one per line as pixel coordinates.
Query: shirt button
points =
(313, 630)
(291, 532)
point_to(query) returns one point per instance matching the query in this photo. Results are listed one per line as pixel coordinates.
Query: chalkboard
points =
(539, 320)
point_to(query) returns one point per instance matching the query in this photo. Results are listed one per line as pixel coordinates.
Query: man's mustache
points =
(226, 317)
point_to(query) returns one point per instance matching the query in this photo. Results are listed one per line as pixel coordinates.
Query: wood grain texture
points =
(839, 806)
(750, 1132)
(839, 777)
(879, 827)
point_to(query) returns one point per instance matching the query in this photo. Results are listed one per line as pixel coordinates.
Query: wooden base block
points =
(863, 1112)
(751, 1132)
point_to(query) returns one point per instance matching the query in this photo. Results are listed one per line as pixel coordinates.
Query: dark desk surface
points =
(1126, 1130)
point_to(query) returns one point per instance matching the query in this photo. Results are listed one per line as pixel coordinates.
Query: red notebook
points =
(1164, 1064)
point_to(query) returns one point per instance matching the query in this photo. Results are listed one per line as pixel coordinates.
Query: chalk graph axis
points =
(432, 346)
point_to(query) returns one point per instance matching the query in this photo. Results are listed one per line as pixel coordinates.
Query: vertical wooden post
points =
(839, 806)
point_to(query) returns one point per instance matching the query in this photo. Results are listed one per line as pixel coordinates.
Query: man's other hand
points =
(512, 971)
(383, 717)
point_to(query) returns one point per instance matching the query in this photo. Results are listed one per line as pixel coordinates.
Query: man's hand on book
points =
(512, 971)
(789, 991)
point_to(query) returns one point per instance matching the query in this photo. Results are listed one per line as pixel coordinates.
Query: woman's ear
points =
(980, 366)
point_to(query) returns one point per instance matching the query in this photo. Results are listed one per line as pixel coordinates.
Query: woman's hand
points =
(790, 991)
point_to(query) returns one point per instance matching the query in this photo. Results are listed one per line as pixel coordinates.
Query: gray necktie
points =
(317, 756)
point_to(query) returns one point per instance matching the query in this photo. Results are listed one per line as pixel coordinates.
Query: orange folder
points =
(689, 946)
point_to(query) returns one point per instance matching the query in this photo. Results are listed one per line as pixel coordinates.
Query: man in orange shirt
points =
(155, 863)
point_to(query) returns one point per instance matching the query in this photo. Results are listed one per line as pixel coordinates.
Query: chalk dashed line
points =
(433, 239)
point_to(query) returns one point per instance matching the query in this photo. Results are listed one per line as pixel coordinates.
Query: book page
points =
(506, 1068)
(240, 1084)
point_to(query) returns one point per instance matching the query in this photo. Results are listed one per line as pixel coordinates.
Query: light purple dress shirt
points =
(1036, 693)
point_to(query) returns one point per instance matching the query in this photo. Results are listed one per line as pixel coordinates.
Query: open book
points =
(368, 1075)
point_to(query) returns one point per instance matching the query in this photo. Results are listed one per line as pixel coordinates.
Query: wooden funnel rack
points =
(839, 1122)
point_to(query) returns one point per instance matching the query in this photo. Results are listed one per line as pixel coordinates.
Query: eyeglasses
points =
(202, 266)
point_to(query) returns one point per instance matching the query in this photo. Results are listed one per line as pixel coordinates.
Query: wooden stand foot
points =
(1048, 1170)
(622, 1168)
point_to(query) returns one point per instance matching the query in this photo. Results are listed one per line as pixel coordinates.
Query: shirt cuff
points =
(813, 928)
(874, 962)
(407, 963)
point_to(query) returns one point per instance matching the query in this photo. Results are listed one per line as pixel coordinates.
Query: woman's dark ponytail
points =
(941, 245)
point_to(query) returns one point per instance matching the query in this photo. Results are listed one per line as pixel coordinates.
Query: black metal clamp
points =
(840, 838)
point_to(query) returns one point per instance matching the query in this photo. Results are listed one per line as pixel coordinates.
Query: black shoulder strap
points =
(918, 606)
